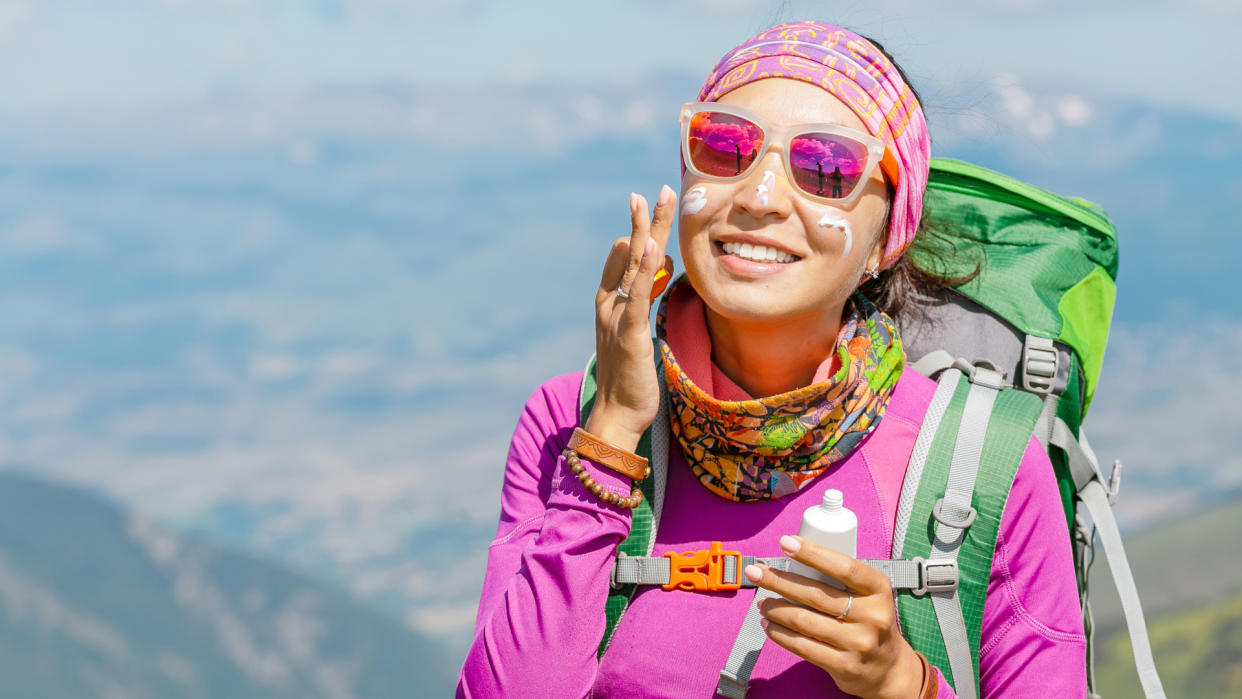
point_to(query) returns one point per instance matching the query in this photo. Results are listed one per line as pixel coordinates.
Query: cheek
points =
(832, 223)
(848, 233)
(694, 200)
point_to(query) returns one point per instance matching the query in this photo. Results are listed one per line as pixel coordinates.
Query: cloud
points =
(1166, 406)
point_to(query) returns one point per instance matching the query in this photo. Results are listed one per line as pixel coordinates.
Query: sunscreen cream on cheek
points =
(832, 526)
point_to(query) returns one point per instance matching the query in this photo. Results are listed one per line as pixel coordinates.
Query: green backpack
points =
(1017, 352)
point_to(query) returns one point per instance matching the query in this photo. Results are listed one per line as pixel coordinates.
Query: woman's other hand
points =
(863, 652)
(628, 393)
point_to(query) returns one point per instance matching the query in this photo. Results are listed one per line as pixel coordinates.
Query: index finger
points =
(662, 220)
(850, 571)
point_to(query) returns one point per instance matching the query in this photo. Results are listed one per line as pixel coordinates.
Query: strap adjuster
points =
(964, 523)
(1039, 364)
(704, 570)
(934, 581)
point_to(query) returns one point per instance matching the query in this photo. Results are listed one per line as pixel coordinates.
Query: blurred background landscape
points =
(276, 278)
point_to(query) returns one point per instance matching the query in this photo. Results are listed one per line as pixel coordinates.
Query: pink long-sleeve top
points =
(541, 615)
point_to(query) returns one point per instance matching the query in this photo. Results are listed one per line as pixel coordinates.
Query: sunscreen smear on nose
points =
(830, 525)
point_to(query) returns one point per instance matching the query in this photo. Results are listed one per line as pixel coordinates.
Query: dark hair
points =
(902, 287)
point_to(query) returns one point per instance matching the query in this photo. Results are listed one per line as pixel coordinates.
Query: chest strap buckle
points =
(704, 570)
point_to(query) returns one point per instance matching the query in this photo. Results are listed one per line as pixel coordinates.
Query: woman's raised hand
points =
(861, 649)
(628, 393)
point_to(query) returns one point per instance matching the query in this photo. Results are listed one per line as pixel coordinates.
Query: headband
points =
(855, 71)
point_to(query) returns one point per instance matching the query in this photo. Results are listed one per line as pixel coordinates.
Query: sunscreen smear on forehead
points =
(830, 525)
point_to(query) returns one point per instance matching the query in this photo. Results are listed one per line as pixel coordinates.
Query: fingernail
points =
(633, 203)
(666, 194)
(790, 545)
(753, 572)
(649, 247)
(763, 623)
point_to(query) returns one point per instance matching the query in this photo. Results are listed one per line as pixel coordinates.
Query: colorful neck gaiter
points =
(767, 448)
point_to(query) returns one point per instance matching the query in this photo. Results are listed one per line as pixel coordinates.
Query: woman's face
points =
(766, 209)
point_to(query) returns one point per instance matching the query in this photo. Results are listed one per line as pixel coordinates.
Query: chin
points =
(752, 300)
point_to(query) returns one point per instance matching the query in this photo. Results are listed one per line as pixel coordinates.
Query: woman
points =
(768, 308)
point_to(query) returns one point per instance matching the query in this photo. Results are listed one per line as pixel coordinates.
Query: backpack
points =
(1016, 352)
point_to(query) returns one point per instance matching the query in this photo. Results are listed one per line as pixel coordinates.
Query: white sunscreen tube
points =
(830, 525)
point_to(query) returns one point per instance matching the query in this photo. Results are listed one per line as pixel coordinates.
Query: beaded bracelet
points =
(576, 467)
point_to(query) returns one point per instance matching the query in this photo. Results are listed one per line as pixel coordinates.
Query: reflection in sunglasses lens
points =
(827, 165)
(723, 145)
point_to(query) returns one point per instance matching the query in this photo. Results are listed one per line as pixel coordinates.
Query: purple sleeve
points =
(541, 615)
(1033, 641)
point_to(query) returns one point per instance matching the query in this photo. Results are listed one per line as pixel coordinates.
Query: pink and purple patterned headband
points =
(854, 71)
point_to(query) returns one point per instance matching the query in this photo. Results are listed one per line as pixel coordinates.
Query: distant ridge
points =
(1178, 564)
(94, 602)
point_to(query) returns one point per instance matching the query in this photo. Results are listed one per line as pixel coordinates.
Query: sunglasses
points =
(827, 162)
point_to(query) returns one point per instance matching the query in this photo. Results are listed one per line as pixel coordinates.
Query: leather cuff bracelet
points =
(591, 447)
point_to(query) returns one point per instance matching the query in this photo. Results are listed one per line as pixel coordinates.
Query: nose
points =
(765, 191)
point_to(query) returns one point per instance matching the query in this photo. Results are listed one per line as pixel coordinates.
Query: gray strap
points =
(656, 570)
(922, 446)
(659, 454)
(1095, 495)
(932, 363)
(735, 677)
(640, 570)
(954, 515)
(1047, 417)
(1039, 376)
(918, 575)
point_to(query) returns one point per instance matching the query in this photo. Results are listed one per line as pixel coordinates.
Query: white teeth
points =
(757, 253)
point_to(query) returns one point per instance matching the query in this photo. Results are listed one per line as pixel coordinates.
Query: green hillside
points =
(95, 603)
(1188, 562)
(1189, 575)
(1198, 653)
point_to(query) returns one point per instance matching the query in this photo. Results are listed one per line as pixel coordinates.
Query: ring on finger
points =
(849, 603)
(622, 293)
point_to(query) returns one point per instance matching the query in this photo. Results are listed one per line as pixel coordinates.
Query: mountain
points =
(94, 602)
(1198, 652)
(1188, 575)
(1178, 564)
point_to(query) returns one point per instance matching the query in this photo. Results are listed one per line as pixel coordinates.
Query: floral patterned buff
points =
(767, 448)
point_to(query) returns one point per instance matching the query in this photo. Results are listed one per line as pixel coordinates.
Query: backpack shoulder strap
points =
(961, 469)
(1097, 497)
(646, 516)
(954, 501)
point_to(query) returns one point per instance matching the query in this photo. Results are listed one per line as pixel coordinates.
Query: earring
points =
(874, 273)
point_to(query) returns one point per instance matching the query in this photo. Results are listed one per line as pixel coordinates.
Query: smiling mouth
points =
(757, 253)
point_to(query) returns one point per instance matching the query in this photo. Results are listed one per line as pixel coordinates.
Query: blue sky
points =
(283, 273)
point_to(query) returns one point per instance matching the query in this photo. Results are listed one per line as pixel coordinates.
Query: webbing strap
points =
(933, 362)
(659, 455)
(954, 515)
(1093, 494)
(735, 677)
(1043, 427)
(922, 447)
(918, 575)
(657, 570)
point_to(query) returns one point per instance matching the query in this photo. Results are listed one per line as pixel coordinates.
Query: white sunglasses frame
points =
(782, 136)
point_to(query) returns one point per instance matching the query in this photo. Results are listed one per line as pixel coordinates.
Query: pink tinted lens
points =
(827, 165)
(723, 145)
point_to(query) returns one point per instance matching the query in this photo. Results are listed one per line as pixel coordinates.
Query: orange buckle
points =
(686, 570)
